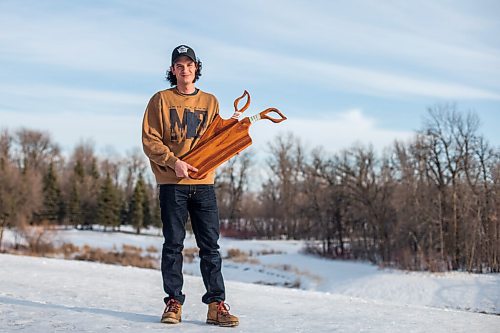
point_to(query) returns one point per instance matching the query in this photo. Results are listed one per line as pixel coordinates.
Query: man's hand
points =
(182, 168)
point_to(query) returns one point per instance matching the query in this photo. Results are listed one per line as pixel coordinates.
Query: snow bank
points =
(48, 295)
(287, 266)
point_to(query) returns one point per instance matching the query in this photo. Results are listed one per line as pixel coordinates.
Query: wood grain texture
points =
(223, 139)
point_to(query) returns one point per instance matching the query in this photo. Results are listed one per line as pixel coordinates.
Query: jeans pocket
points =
(206, 193)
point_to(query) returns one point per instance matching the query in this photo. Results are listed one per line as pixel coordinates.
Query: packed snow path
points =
(51, 295)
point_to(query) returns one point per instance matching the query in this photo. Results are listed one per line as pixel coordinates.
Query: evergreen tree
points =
(53, 204)
(156, 213)
(137, 204)
(90, 193)
(74, 204)
(78, 171)
(146, 207)
(108, 205)
(94, 172)
(124, 213)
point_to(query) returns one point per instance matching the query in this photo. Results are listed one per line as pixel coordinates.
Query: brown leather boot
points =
(218, 314)
(172, 313)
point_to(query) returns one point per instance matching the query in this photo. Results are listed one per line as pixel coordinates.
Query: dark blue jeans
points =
(176, 201)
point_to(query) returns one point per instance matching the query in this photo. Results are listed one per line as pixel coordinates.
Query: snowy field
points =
(281, 263)
(338, 296)
(54, 295)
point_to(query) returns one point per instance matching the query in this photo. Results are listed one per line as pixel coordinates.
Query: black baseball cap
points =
(183, 50)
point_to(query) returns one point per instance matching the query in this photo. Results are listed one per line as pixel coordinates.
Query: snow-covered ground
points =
(281, 263)
(53, 295)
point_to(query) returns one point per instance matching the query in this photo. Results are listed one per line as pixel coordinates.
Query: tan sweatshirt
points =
(172, 125)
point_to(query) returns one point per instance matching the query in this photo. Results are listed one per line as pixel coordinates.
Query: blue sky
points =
(342, 71)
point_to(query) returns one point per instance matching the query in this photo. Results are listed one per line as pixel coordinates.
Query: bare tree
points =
(286, 176)
(36, 149)
(232, 183)
(135, 164)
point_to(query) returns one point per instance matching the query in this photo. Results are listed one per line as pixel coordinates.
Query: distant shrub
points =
(68, 250)
(39, 239)
(190, 254)
(152, 249)
(131, 248)
(239, 256)
(131, 258)
(269, 252)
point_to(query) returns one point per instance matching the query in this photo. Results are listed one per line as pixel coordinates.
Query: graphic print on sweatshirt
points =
(191, 126)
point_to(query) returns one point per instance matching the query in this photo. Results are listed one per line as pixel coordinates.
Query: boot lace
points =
(173, 306)
(223, 308)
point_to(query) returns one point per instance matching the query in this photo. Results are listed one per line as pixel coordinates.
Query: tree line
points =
(38, 185)
(430, 203)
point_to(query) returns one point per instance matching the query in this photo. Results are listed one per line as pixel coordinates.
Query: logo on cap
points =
(182, 49)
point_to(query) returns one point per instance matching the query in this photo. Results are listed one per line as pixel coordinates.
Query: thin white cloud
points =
(347, 78)
(121, 42)
(121, 132)
(113, 43)
(333, 133)
(427, 34)
(33, 101)
(57, 93)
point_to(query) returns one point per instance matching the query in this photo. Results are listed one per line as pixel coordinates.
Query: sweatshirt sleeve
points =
(152, 134)
(216, 110)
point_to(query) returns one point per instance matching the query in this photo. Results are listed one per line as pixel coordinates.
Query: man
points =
(173, 122)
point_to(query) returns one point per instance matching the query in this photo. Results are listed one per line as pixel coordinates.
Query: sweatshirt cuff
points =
(171, 162)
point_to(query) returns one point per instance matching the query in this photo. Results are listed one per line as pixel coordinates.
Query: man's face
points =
(184, 70)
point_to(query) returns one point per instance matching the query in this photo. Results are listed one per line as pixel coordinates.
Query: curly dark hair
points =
(173, 80)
